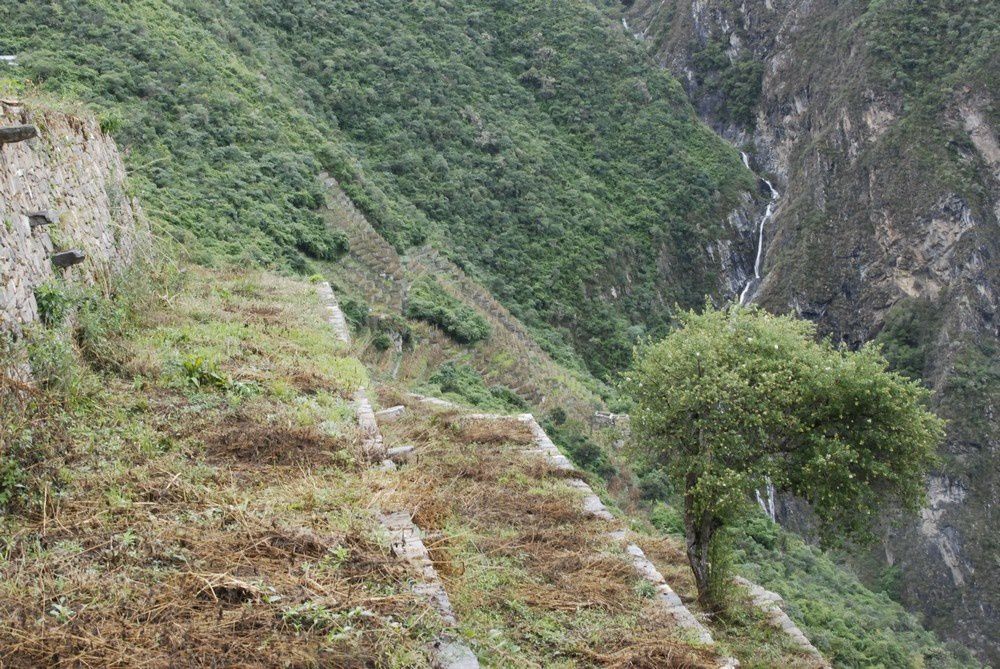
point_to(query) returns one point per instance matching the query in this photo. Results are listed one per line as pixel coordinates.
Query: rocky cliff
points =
(877, 123)
(63, 201)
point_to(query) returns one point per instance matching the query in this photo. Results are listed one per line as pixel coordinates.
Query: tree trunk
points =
(698, 531)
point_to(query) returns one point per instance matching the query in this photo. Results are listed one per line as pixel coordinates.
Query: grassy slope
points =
(851, 624)
(538, 146)
(198, 454)
(198, 497)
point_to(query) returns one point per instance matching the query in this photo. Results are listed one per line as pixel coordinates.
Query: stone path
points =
(447, 651)
(407, 544)
(770, 603)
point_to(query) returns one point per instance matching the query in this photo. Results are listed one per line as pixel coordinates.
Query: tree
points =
(736, 397)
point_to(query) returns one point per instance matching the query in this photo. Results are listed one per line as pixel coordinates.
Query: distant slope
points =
(878, 122)
(535, 145)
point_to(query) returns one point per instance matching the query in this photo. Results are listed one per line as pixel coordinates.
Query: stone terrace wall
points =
(73, 169)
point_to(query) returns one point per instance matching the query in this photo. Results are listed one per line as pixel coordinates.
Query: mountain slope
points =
(877, 121)
(538, 148)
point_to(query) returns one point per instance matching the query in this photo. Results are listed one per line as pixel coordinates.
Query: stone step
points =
(407, 544)
(391, 414)
(17, 133)
(447, 652)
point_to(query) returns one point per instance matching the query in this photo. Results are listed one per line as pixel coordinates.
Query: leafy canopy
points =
(735, 396)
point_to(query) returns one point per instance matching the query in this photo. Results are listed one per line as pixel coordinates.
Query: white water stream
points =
(745, 296)
(766, 501)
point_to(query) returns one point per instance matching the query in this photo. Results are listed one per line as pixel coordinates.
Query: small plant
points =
(53, 302)
(61, 611)
(201, 373)
(335, 558)
(12, 481)
(645, 590)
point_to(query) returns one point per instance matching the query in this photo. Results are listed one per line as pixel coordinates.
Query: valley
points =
(335, 375)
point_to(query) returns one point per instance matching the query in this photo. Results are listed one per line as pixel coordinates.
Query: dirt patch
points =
(244, 438)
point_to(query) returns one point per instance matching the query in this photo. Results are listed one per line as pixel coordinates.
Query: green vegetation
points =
(464, 384)
(850, 624)
(907, 338)
(537, 146)
(737, 399)
(53, 303)
(739, 81)
(928, 49)
(428, 301)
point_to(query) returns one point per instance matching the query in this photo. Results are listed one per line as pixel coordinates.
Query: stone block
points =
(391, 414)
(17, 133)
(37, 219)
(68, 258)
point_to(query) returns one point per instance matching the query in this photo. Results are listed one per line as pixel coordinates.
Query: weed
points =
(201, 373)
(54, 303)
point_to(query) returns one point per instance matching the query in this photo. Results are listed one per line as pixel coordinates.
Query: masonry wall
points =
(75, 170)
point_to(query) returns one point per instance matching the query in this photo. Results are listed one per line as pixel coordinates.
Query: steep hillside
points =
(207, 466)
(540, 150)
(878, 124)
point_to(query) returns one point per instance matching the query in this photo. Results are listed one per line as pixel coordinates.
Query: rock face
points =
(63, 203)
(887, 227)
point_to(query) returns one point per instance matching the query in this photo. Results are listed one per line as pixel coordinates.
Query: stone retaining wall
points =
(73, 170)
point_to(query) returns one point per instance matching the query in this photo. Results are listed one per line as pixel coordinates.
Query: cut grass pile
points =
(201, 503)
(534, 580)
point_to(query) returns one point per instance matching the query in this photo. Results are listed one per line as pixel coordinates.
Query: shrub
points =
(587, 454)
(54, 303)
(382, 341)
(667, 519)
(508, 397)
(428, 301)
(355, 311)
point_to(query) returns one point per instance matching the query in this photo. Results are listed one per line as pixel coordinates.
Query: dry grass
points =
(518, 553)
(194, 527)
(241, 437)
(487, 431)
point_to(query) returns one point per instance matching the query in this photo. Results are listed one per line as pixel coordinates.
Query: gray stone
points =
(37, 219)
(453, 654)
(390, 414)
(17, 133)
(399, 453)
(68, 258)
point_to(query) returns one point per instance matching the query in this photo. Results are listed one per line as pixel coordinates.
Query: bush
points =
(382, 342)
(355, 311)
(428, 301)
(508, 397)
(54, 303)
(585, 453)
(667, 519)
(655, 484)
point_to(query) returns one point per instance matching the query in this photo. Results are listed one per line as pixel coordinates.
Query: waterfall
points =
(766, 501)
(745, 296)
